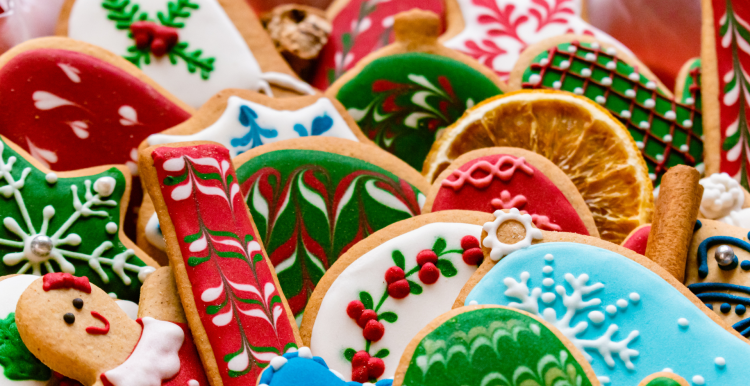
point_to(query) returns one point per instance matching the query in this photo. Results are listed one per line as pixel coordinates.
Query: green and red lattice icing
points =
(666, 131)
(311, 206)
(231, 280)
(403, 102)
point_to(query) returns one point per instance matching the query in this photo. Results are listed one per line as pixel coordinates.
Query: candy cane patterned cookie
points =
(227, 286)
(387, 288)
(193, 48)
(62, 96)
(502, 178)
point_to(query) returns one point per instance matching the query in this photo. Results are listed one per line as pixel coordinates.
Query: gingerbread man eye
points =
(78, 303)
(69, 318)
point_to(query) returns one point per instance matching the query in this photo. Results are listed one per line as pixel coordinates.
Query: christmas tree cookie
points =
(667, 131)
(405, 94)
(193, 48)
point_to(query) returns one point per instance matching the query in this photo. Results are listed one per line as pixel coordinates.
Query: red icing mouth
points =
(98, 330)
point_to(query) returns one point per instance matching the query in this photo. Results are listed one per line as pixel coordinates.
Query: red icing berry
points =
(366, 316)
(375, 367)
(360, 359)
(399, 289)
(354, 309)
(373, 331)
(469, 242)
(394, 274)
(473, 256)
(426, 256)
(359, 374)
(429, 273)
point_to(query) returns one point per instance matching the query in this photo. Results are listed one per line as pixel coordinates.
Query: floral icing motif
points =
(624, 317)
(360, 28)
(232, 283)
(496, 346)
(245, 125)
(311, 206)
(64, 226)
(499, 249)
(62, 101)
(369, 317)
(169, 42)
(667, 132)
(507, 182)
(723, 200)
(403, 102)
(496, 31)
(731, 20)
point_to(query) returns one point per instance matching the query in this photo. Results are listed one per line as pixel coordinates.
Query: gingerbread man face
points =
(75, 328)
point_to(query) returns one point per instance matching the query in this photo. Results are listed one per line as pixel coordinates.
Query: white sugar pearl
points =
(556, 85)
(590, 56)
(611, 51)
(652, 176)
(698, 380)
(611, 65)
(544, 61)
(611, 309)
(667, 138)
(670, 115)
(639, 144)
(607, 81)
(572, 48)
(682, 322)
(600, 99)
(51, 178)
(635, 297)
(595, 45)
(684, 147)
(721, 362)
(644, 125)
(651, 85)
(634, 76)
(689, 101)
(630, 93)
(564, 64)
(687, 123)
(622, 303)
(625, 114)
(585, 72)
(535, 79)
(649, 103)
(578, 91)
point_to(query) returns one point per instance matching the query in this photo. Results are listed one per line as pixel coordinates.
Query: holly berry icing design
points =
(311, 206)
(405, 111)
(667, 132)
(170, 40)
(497, 31)
(240, 308)
(59, 102)
(359, 28)
(245, 125)
(503, 181)
(66, 224)
(402, 285)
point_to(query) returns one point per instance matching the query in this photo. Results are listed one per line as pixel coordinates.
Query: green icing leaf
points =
(439, 246)
(366, 299)
(349, 354)
(414, 288)
(16, 360)
(382, 353)
(398, 259)
(389, 317)
(446, 268)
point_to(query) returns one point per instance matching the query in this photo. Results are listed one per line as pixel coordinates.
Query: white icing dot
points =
(604, 380)
(556, 85)
(684, 147)
(564, 64)
(193, 382)
(535, 79)
(590, 56)
(635, 297)
(630, 93)
(667, 138)
(600, 99)
(111, 227)
(572, 48)
(548, 297)
(585, 72)
(278, 362)
(578, 91)
(687, 123)
(548, 282)
(668, 370)
(649, 103)
(544, 61)
(634, 76)
(549, 257)
(611, 309)
(105, 186)
(650, 85)
(652, 176)
(622, 303)
(473, 303)
(670, 115)
(547, 269)
(112, 295)
(721, 362)
(660, 157)
(698, 380)
(639, 144)
(682, 322)
(611, 65)
(644, 125)
(689, 101)
(625, 114)
(607, 81)
(596, 317)
(304, 352)
(611, 51)
(51, 178)
(594, 45)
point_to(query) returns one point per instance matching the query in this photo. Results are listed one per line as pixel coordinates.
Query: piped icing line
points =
(499, 249)
(493, 170)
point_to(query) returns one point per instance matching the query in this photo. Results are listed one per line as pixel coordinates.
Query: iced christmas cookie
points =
(193, 48)
(388, 287)
(62, 96)
(502, 178)
(667, 131)
(227, 286)
(68, 222)
(552, 124)
(404, 95)
(725, 62)
(688, 84)
(491, 345)
(637, 240)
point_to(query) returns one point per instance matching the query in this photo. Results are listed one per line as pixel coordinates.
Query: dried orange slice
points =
(593, 148)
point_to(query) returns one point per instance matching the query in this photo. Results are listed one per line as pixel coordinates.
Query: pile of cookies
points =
(459, 192)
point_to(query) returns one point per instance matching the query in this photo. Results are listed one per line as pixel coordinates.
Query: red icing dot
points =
(469, 242)
(354, 309)
(373, 331)
(359, 374)
(366, 316)
(360, 359)
(426, 256)
(429, 273)
(375, 367)
(394, 274)
(473, 256)
(399, 289)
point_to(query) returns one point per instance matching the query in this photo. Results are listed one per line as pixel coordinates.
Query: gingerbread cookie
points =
(227, 286)
(193, 48)
(502, 178)
(63, 96)
(357, 320)
(404, 95)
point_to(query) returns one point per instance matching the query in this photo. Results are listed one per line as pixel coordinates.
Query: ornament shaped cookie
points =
(68, 222)
(405, 94)
(502, 178)
(625, 313)
(667, 131)
(552, 124)
(79, 331)
(495, 32)
(228, 287)
(389, 287)
(193, 48)
(725, 59)
(62, 96)
(483, 345)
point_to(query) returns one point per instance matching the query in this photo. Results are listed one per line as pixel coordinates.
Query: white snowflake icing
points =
(39, 246)
(574, 305)
(499, 249)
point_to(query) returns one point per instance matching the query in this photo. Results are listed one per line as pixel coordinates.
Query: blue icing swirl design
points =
(628, 321)
(301, 368)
